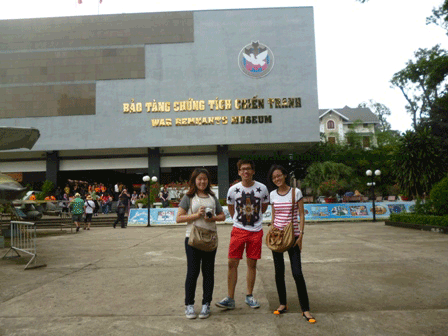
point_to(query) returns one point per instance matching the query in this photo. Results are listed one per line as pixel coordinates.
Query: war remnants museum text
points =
(216, 104)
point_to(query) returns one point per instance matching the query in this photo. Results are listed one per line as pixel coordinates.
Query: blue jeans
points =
(106, 208)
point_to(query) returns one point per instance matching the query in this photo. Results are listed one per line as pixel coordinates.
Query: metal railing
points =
(23, 239)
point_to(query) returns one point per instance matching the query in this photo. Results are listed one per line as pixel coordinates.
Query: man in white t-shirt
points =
(116, 191)
(246, 201)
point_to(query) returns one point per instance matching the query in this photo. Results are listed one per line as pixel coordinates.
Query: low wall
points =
(313, 212)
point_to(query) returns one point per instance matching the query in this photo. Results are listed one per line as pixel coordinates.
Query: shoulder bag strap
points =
(190, 209)
(293, 202)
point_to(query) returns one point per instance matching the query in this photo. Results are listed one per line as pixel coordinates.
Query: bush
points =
(47, 189)
(143, 200)
(420, 219)
(424, 208)
(439, 197)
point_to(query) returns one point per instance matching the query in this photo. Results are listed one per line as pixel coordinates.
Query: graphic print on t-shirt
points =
(247, 208)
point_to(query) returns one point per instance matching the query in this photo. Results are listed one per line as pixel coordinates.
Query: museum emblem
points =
(256, 60)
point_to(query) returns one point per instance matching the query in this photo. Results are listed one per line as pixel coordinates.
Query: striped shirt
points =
(283, 209)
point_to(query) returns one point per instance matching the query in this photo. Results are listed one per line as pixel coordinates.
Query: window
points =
(330, 124)
(366, 141)
(332, 140)
(365, 125)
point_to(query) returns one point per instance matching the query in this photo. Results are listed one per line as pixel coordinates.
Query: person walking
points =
(89, 207)
(282, 214)
(246, 201)
(77, 207)
(126, 197)
(199, 207)
(121, 210)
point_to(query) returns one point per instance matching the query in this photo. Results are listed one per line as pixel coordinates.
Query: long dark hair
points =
(192, 183)
(271, 171)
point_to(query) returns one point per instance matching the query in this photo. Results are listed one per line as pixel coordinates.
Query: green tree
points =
(360, 160)
(422, 82)
(419, 162)
(320, 172)
(352, 138)
(440, 16)
(381, 111)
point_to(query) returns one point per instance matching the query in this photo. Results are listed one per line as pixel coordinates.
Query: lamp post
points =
(148, 180)
(372, 184)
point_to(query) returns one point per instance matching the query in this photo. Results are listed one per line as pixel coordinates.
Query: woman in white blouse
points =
(281, 200)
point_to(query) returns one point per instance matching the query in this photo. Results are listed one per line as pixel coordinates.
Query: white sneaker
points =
(251, 302)
(189, 312)
(205, 311)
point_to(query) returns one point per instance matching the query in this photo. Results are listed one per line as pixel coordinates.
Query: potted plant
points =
(329, 189)
(404, 197)
(139, 203)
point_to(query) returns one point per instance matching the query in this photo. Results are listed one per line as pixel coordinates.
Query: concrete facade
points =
(100, 92)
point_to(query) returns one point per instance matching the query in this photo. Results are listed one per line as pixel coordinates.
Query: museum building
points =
(157, 93)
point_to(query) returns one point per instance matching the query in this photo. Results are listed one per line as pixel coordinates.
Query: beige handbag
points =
(282, 240)
(203, 239)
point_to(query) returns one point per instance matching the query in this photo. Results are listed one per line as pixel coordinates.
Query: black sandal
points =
(311, 319)
(281, 311)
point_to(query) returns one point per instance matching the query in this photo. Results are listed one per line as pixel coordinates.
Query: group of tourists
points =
(246, 201)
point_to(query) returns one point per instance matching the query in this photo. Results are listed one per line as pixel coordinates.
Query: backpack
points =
(121, 208)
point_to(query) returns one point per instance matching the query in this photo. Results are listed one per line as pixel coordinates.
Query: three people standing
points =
(247, 201)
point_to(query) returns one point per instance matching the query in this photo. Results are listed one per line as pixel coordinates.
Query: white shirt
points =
(89, 209)
(283, 209)
(248, 203)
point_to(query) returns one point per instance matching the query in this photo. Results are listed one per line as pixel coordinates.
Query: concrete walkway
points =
(362, 278)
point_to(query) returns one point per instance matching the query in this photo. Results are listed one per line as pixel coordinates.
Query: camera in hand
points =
(209, 212)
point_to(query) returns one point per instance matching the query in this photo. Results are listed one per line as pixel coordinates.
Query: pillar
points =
(154, 162)
(52, 168)
(223, 171)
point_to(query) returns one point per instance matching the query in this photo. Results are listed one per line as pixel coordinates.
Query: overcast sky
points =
(359, 46)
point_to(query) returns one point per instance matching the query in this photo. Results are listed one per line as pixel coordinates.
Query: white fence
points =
(23, 239)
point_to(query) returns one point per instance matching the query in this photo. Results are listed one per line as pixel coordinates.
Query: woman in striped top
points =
(281, 200)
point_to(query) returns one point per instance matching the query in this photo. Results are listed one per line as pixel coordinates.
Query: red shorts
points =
(242, 238)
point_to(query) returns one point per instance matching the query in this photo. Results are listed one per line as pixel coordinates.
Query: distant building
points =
(335, 124)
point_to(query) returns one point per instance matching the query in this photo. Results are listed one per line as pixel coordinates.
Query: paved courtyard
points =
(362, 278)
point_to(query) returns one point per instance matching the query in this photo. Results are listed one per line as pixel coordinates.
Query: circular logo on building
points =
(256, 60)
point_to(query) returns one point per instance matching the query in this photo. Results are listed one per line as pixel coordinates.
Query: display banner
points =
(313, 212)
